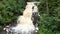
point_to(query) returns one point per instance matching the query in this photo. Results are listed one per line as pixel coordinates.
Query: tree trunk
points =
(47, 7)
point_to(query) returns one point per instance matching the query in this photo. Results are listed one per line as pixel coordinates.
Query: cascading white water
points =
(24, 23)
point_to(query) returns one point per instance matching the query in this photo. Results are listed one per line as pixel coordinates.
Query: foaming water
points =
(24, 29)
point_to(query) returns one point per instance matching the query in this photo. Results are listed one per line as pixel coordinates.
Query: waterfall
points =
(25, 22)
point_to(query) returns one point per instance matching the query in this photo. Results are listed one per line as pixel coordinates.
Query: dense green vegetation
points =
(49, 10)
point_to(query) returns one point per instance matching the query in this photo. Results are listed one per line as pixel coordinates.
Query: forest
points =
(49, 10)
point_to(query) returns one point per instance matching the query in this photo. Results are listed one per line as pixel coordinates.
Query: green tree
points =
(10, 9)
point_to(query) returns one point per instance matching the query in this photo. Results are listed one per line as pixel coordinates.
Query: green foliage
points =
(50, 23)
(49, 10)
(50, 17)
(9, 10)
